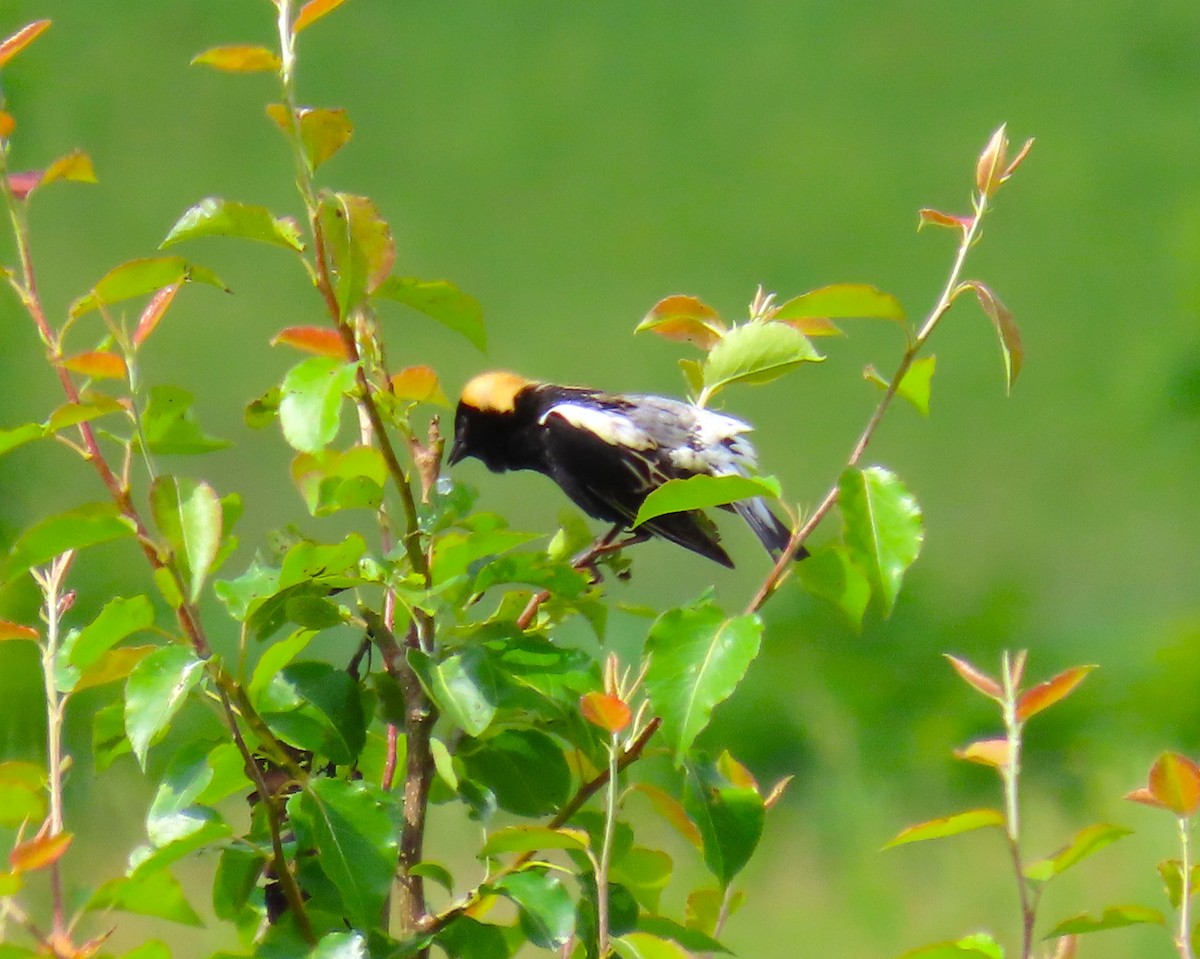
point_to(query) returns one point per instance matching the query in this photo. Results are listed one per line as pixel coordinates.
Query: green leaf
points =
(20, 435)
(524, 768)
(310, 408)
(434, 872)
(915, 384)
(213, 216)
(756, 352)
(156, 893)
(532, 569)
(316, 706)
(979, 946)
(139, 277)
(157, 687)
(1085, 842)
(360, 244)
(693, 940)
(274, 658)
(332, 480)
(547, 914)
(75, 529)
(237, 875)
(440, 300)
(459, 686)
(702, 492)
(644, 945)
(948, 826)
(352, 828)
(697, 659)
(530, 838)
(1114, 917)
(118, 619)
(22, 793)
(730, 818)
(884, 530)
(188, 515)
(467, 938)
(72, 414)
(645, 873)
(340, 945)
(830, 573)
(1006, 329)
(842, 301)
(323, 132)
(170, 428)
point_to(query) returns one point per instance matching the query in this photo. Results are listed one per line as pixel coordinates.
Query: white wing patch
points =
(608, 425)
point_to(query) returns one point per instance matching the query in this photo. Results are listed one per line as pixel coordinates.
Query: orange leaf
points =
(604, 710)
(39, 852)
(153, 313)
(16, 631)
(21, 39)
(239, 58)
(76, 166)
(990, 165)
(814, 325)
(1044, 695)
(938, 218)
(313, 11)
(672, 811)
(1175, 783)
(735, 772)
(777, 791)
(7, 125)
(321, 340)
(986, 752)
(419, 383)
(1143, 795)
(98, 364)
(981, 681)
(684, 319)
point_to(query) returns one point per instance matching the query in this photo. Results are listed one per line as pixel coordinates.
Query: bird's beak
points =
(457, 452)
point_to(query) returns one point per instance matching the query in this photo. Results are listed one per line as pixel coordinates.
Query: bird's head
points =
(487, 404)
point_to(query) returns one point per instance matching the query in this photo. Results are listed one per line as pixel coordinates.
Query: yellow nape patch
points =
(494, 392)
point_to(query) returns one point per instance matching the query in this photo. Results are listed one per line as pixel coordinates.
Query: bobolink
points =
(608, 451)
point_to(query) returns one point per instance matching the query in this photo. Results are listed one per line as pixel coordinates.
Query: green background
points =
(571, 163)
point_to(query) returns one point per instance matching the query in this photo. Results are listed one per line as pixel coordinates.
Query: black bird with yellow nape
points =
(609, 451)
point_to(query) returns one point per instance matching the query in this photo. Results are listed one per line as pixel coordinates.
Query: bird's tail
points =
(768, 527)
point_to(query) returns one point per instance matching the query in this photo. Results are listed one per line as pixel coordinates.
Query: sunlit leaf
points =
(214, 216)
(90, 407)
(21, 39)
(17, 631)
(155, 893)
(318, 340)
(883, 528)
(644, 945)
(332, 480)
(39, 852)
(7, 124)
(459, 687)
(1044, 695)
(703, 491)
(323, 132)
(691, 939)
(992, 161)
(914, 385)
(1174, 784)
(978, 946)
(1084, 843)
(976, 678)
(76, 166)
(671, 810)
(1006, 329)
(841, 301)
(547, 914)
(239, 58)
(111, 666)
(152, 315)
(20, 435)
(947, 826)
(74, 529)
(418, 383)
(142, 276)
(157, 688)
(684, 319)
(1114, 917)
(119, 619)
(987, 752)
(756, 353)
(697, 659)
(312, 11)
(310, 407)
(440, 300)
(23, 797)
(530, 838)
(359, 242)
(606, 711)
(188, 514)
(97, 364)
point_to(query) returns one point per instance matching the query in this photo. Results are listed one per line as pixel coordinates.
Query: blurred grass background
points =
(569, 165)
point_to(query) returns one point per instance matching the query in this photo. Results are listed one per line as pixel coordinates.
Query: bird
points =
(609, 451)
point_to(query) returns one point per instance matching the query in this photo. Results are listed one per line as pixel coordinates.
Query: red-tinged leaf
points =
(948, 826)
(76, 166)
(672, 811)
(22, 184)
(322, 131)
(419, 383)
(21, 39)
(1144, 796)
(776, 792)
(1006, 329)
(312, 11)
(154, 311)
(1017, 160)
(814, 326)
(16, 631)
(1175, 783)
(239, 58)
(991, 162)
(7, 125)
(1044, 695)
(930, 217)
(39, 852)
(98, 364)
(606, 711)
(684, 319)
(974, 677)
(319, 340)
(986, 752)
